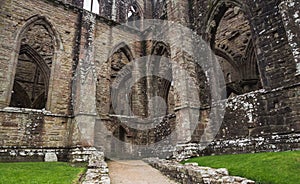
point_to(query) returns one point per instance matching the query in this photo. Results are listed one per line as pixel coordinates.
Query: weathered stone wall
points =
(267, 119)
(260, 121)
(33, 129)
(255, 122)
(275, 58)
(97, 169)
(192, 173)
(78, 106)
(29, 134)
(291, 18)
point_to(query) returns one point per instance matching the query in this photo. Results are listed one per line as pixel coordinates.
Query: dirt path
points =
(135, 172)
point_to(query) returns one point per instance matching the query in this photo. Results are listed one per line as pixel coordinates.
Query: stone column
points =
(84, 85)
(139, 98)
(186, 98)
(186, 102)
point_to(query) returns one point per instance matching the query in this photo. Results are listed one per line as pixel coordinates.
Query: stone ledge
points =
(192, 173)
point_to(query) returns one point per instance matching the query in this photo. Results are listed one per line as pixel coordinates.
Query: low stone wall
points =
(192, 173)
(97, 172)
(81, 154)
(270, 143)
(25, 154)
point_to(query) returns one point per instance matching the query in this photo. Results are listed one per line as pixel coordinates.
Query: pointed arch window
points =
(33, 69)
(121, 102)
(229, 34)
(161, 80)
(129, 11)
(160, 9)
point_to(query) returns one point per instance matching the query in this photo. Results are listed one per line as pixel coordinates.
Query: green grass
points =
(39, 172)
(264, 168)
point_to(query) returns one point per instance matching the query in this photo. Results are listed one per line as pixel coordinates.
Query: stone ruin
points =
(76, 76)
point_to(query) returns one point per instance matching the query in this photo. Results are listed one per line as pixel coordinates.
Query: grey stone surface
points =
(192, 173)
(97, 172)
(50, 157)
(256, 43)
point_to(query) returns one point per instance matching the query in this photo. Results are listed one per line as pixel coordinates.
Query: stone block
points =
(51, 157)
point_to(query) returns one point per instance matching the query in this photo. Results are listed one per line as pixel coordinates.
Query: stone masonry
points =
(72, 80)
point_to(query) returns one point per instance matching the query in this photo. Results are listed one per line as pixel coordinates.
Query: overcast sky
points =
(87, 5)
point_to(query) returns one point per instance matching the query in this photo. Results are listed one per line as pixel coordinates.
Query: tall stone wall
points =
(14, 18)
(259, 121)
(29, 134)
(290, 15)
(26, 134)
(263, 120)
(90, 50)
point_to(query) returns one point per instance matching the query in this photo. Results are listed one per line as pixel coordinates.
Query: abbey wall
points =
(71, 79)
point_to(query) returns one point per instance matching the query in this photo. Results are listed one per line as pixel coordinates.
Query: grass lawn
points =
(39, 172)
(264, 168)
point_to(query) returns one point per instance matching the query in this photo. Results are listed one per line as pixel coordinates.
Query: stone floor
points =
(135, 172)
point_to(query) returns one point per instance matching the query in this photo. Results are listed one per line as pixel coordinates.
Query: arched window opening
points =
(160, 10)
(117, 144)
(32, 74)
(133, 16)
(129, 11)
(121, 101)
(231, 40)
(161, 89)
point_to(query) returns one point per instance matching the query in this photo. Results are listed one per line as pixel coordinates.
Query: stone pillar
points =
(186, 102)
(84, 85)
(139, 98)
(179, 11)
(186, 99)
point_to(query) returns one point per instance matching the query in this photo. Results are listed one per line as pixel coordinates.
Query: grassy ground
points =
(39, 173)
(264, 168)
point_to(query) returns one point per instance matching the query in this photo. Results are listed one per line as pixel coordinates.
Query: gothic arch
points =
(124, 48)
(233, 45)
(159, 49)
(34, 48)
(160, 70)
(215, 14)
(44, 21)
(160, 9)
(129, 11)
(228, 57)
(121, 67)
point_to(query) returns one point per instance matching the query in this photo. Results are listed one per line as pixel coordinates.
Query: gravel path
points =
(135, 172)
